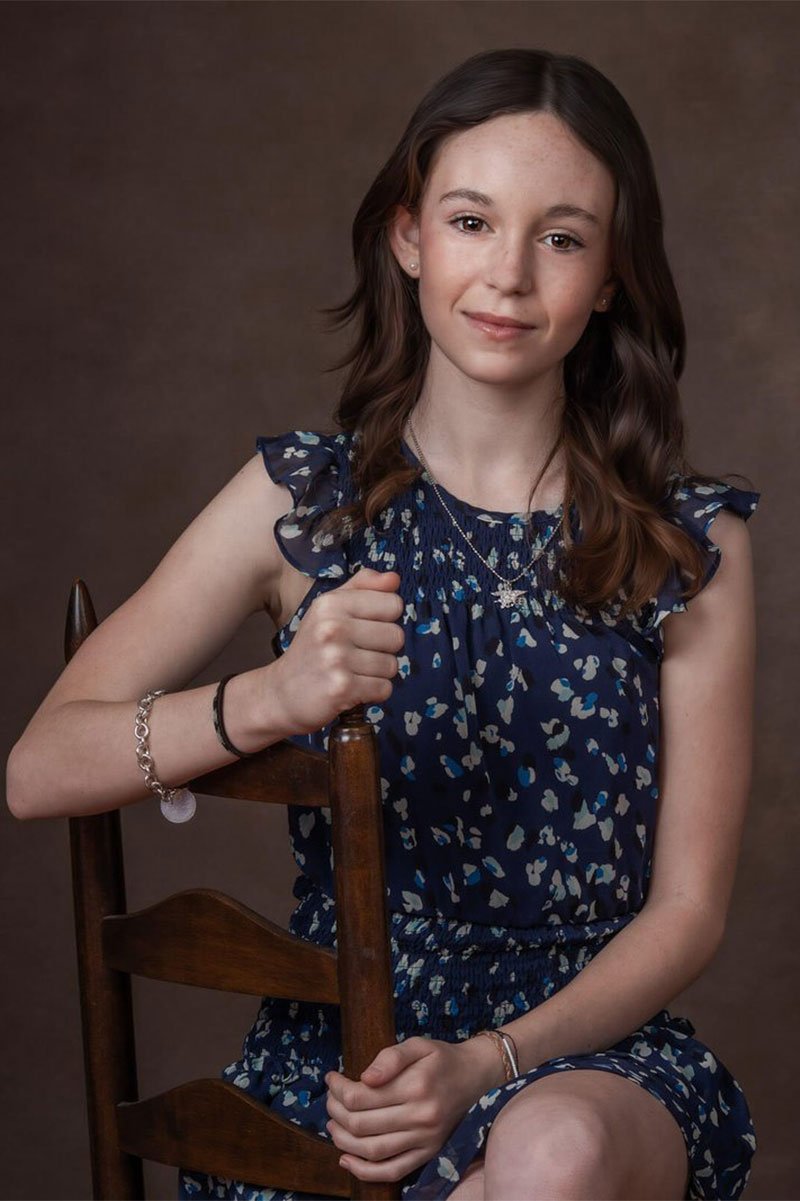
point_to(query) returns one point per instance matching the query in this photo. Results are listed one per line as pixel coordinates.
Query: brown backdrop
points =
(179, 182)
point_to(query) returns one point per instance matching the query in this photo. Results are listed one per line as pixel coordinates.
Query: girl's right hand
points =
(343, 653)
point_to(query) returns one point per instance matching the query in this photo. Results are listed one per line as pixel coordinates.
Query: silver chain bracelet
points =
(177, 804)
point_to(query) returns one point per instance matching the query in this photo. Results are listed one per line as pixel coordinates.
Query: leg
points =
(585, 1135)
(471, 1185)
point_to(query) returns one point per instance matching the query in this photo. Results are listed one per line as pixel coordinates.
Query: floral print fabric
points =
(519, 766)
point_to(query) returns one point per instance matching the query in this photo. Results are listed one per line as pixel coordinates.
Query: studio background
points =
(179, 185)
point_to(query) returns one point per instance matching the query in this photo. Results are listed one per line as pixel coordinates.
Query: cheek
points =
(446, 268)
(570, 304)
(567, 286)
(443, 284)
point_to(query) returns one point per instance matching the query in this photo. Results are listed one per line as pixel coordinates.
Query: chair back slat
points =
(218, 1128)
(207, 939)
(281, 774)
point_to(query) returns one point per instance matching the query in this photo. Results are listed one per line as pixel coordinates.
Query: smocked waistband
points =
(316, 915)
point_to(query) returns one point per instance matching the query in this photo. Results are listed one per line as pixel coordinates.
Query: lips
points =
(494, 319)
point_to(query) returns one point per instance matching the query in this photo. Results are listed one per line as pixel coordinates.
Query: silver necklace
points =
(506, 595)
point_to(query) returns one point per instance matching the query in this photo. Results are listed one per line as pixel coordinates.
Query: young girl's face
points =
(509, 252)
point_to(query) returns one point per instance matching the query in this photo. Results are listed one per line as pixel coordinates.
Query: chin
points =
(501, 377)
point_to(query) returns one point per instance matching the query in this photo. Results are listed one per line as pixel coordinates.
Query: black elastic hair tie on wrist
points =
(219, 724)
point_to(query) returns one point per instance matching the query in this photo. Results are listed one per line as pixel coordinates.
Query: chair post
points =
(98, 886)
(362, 919)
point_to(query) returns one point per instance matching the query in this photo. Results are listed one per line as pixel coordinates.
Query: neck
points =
(488, 447)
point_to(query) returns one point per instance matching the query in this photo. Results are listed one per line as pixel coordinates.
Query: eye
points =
(576, 244)
(466, 217)
(569, 238)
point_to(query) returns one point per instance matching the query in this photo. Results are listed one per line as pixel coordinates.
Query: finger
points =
(391, 1061)
(382, 604)
(365, 1122)
(375, 1147)
(373, 664)
(378, 605)
(369, 577)
(387, 1170)
(357, 1097)
(378, 635)
(370, 631)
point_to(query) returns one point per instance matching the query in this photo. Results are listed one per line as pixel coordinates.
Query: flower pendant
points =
(508, 596)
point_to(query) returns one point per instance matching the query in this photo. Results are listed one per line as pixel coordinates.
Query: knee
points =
(471, 1185)
(551, 1150)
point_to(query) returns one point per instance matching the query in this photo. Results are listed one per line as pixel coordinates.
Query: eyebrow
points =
(555, 210)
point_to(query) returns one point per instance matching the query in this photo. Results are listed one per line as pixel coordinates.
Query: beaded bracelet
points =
(508, 1050)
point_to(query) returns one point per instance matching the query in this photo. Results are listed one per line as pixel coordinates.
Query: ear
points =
(404, 239)
(605, 297)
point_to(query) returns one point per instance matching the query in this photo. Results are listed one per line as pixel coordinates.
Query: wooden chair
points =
(205, 938)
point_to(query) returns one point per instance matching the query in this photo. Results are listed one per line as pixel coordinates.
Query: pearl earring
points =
(412, 266)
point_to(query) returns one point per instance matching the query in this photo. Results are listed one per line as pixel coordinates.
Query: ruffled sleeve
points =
(694, 508)
(312, 466)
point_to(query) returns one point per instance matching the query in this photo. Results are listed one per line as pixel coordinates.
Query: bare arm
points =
(706, 698)
(77, 754)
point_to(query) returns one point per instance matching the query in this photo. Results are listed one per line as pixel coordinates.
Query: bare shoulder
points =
(240, 525)
(735, 572)
(281, 586)
(224, 566)
(234, 537)
(725, 607)
(731, 533)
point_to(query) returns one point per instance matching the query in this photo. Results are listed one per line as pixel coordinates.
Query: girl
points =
(490, 552)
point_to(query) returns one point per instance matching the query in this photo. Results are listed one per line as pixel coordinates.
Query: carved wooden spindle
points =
(358, 849)
(98, 887)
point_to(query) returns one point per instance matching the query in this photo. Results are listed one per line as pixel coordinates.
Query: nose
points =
(510, 265)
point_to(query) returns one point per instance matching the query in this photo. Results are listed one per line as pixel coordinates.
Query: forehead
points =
(535, 154)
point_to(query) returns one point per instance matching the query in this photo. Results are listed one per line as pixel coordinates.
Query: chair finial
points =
(81, 618)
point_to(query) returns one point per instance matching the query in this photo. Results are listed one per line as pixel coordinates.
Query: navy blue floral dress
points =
(519, 756)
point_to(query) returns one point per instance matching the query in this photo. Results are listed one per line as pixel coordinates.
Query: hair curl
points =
(622, 429)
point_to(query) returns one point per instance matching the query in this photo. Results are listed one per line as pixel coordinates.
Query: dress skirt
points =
(453, 979)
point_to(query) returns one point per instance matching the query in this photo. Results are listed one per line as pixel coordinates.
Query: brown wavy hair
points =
(622, 429)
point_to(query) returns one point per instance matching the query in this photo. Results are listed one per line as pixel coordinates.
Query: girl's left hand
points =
(398, 1115)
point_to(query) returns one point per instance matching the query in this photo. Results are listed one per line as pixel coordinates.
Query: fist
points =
(344, 651)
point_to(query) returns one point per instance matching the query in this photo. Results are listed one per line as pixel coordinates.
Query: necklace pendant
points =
(508, 596)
